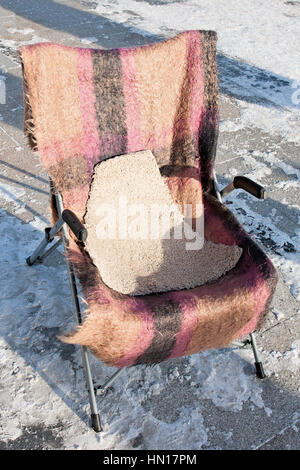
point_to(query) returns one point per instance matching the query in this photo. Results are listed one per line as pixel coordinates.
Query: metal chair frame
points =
(66, 217)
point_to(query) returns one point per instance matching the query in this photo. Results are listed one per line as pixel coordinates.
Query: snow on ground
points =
(41, 379)
(40, 384)
(263, 37)
(264, 33)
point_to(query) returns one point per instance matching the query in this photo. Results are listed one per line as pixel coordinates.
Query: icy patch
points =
(226, 383)
(276, 361)
(276, 122)
(90, 40)
(287, 262)
(230, 126)
(24, 31)
(190, 421)
(261, 169)
(290, 269)
(10, 194)
(278, 314)
(290, 266)
(8, 43)
(289, 170)
(24, 396)
(283, 122)
(15, 44)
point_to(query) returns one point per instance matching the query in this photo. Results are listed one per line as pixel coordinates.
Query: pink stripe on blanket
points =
(188, 323)
(55, 152)
(143, 341)
(131, 100)
(87, 97)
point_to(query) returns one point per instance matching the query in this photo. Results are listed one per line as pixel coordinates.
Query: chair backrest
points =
(85, 105)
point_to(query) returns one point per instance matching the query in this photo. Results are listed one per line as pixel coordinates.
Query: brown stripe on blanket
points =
(69, 173)
(110, 107)
(183, 152)
(167, 318)
(209, 44)
(208, 135)
(208, 138)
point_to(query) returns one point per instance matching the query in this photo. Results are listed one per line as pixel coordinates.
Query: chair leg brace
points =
(40, 254)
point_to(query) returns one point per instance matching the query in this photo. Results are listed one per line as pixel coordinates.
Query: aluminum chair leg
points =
(260, 373)
(95, 417)
(39, 255)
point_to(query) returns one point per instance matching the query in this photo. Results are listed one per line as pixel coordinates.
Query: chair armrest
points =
(241, 182)
(75, 225)
(250, 186)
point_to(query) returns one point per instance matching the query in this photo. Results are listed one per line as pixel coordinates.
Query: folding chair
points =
(83, 106)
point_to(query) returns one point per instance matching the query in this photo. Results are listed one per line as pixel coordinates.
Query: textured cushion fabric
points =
(131, 219)
(83, 106)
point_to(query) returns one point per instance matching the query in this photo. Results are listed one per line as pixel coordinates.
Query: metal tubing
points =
(230, 187)
(101, 389)
(260, 373)
(240, 344)
(56, 228)
(219, 196)
(49, 235)
(32, 259)
(48, 252)
(254, 347)
(96, 424)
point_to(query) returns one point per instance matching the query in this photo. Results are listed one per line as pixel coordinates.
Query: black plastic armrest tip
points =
(75, 225)
(241, 182)
(82, 235)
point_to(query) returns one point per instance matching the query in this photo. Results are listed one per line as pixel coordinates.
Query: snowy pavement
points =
(208, 401)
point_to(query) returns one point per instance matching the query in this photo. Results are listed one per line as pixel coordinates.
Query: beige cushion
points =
(143, 265)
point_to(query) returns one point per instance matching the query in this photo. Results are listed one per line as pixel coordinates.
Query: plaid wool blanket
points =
(85, 105)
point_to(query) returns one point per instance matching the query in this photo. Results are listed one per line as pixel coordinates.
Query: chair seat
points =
(123, 330)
